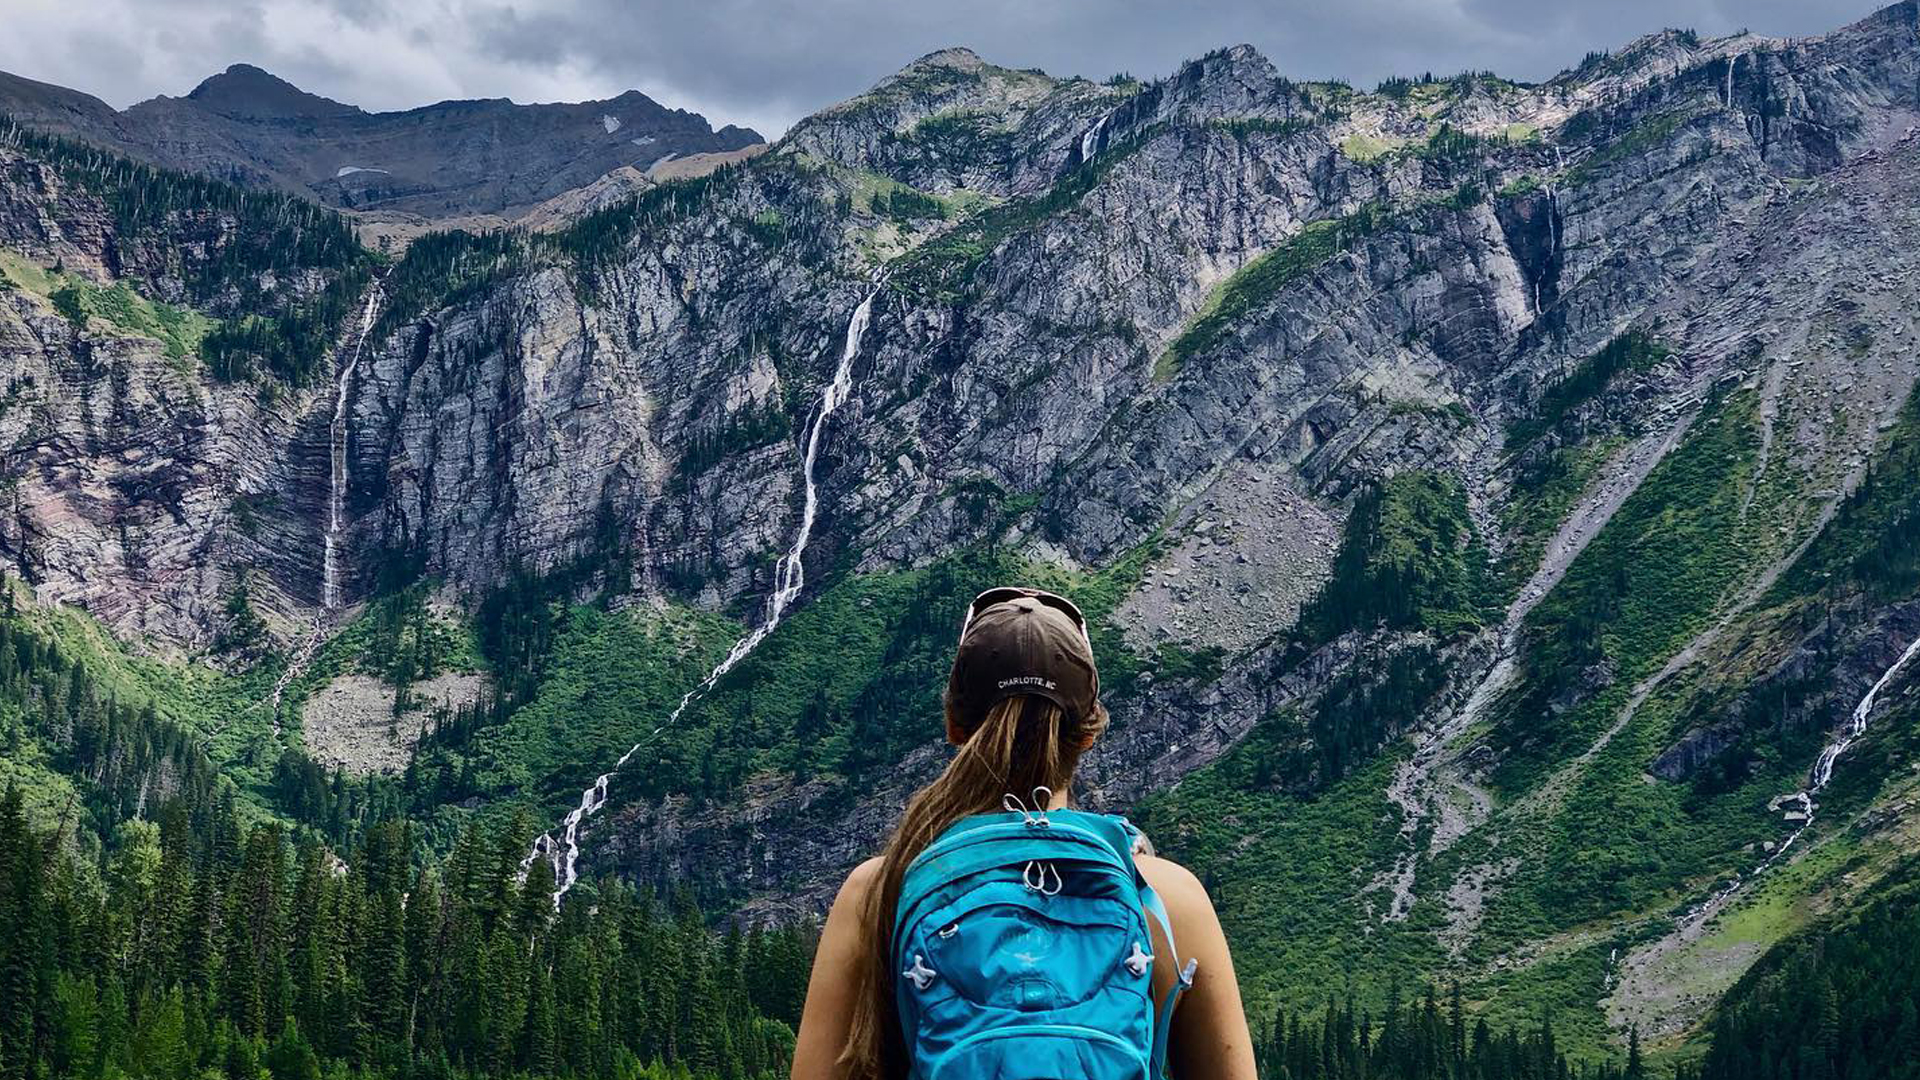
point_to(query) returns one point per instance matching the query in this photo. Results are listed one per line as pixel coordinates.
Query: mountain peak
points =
(956, 56)
(244, 90)
(1242, 58)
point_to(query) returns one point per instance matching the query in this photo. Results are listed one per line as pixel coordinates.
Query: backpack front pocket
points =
(1031, 956)
(1041, 1052)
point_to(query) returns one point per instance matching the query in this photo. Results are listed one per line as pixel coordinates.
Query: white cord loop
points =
(1035, 816)
(1034, 877)
(1042, 798)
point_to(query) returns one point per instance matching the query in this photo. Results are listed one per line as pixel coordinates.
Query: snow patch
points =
(349, 170)
(644, 140)
(611, 123)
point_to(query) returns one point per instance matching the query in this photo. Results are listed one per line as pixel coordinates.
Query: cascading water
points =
(336, 510)
(1553, 225)
(337, 459)
(1803, 800)
(1090, 139)
(789, 577)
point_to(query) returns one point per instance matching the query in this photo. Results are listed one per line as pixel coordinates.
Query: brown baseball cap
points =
(1019, 640)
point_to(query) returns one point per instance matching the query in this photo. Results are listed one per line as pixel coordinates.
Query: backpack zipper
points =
(1056, 1031)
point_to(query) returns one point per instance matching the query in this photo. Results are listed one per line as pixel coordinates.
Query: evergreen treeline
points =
(1837, 1003)
(283, 272)
(208, 950)
(442, 268)
(1366, 705)
(158, 929)
(1872, 545)
(752, 426)
(1409, 559)
(127, 760)
(1423, 1040)
(1564, 397)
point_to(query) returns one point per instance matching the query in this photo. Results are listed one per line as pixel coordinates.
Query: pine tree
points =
(160, 1038)
(21, 967)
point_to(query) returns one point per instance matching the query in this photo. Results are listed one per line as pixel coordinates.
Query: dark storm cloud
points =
(766, 63)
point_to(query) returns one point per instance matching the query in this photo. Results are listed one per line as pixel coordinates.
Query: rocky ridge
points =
(448, 160)
(1187, 321)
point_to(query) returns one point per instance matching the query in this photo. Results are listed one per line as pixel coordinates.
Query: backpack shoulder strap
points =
(1156, 910)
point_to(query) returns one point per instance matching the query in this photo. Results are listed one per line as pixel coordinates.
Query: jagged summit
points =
(1905, 13)
(243, 90)
(1242, 53)
(451, 158)
(1242, 67)
(957, 56)
(953, 82)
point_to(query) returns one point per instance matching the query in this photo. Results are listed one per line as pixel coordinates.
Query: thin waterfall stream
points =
(336, 507)
(337, 458)
(562, 846)
(1817, 781)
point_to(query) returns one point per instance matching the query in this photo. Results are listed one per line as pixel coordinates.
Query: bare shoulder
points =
(859, 883)
(832, 987)
(1210, 1035)
(1175, 883)
(1188, 904)
(849, 917)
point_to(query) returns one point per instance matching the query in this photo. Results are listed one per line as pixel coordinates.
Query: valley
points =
(1496, 505)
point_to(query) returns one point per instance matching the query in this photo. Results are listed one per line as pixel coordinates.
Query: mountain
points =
(1495, 505)
(446, 160)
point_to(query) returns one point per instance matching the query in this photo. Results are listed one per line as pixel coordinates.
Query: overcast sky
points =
(766, 63)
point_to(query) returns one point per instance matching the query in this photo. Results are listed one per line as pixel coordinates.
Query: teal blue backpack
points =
(1022, 952)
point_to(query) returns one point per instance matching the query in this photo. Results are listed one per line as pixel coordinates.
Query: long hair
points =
(1024, 742)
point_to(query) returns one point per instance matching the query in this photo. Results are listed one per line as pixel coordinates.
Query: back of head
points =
(1022, 704)
(1019, 641)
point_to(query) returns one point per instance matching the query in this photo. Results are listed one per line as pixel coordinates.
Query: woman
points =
(1022, 705)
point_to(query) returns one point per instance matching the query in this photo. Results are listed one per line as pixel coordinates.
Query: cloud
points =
(765, 63)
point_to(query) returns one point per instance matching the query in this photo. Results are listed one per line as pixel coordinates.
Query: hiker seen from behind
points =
(1003, 934)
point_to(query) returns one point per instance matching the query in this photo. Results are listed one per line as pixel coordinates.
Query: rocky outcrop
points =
(1212, 307)
(1407, 342)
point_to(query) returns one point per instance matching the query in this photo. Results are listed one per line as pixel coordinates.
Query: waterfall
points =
(1553, 225)
(337, 455)
(1857, 726)
(789, 576)
(1822, 774)
(1090, 139)
(336, 512)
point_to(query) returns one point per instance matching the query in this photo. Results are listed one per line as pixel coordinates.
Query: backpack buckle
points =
(1140, 961)
(920, 975)
(1042, 798)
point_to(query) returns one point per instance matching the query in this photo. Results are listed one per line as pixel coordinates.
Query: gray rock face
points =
(131, 475)
(1173, 299)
